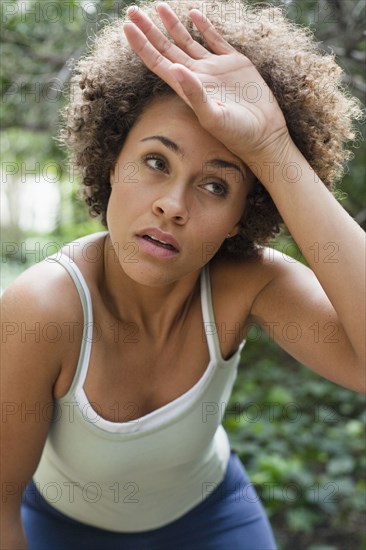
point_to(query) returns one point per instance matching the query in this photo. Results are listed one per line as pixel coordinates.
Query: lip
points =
(155, 250)
(161, 236)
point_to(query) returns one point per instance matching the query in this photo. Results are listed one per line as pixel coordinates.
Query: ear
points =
(235, 229)
(112, 177)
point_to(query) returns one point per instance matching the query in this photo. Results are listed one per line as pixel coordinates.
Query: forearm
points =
(330, 240)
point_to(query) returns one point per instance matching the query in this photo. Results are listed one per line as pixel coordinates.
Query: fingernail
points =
(131, 10)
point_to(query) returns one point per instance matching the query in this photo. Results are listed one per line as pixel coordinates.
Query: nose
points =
(172, 205)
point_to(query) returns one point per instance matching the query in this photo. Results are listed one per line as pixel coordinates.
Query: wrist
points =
(281, 162)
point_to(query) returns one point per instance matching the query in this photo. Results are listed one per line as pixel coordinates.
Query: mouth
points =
(159, 238)
(160, 243)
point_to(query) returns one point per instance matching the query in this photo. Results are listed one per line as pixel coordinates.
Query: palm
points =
(228, 95)
(233, 83)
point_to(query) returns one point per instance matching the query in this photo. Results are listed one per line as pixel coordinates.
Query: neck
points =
(155, 310)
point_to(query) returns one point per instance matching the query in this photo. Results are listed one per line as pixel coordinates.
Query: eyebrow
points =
(215, 163)
(168, 143)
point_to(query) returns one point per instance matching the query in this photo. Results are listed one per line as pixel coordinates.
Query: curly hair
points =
(111, 87)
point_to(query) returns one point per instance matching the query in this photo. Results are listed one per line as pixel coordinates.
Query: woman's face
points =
(177, 192)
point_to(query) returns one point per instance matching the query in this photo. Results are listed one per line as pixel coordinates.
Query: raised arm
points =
(332, 243)
(330, 307)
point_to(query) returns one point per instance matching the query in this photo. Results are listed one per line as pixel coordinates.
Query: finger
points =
(151, 57)
(213, 38)
(204, 107)
(157, 38)
(179, 33)
(145, 50)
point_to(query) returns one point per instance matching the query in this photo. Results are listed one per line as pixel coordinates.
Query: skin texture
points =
(111, 85)
(185, 195)
(245, 127)
(263, 143)
(159, 297)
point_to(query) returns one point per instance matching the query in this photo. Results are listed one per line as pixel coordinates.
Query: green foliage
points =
(40, 41)
(301, 439)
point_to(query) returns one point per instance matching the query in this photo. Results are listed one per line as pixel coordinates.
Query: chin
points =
(150, 276)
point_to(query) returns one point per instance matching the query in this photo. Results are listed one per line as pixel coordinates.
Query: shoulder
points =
(41, 309)
(45, 292)
(40, 289)
(269, 264)
(247, 282)
(35, 310)
(88, 249)
(231, 273)
(40, 302)
(87, 253)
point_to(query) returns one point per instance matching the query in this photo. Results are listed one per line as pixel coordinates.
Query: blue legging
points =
(231, 518)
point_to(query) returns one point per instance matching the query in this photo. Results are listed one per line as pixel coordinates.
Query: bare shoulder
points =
(230, 274)
(41, 309)
(242, 283)
(258, 271)
(37, 310)
(46, 290)
(43, 292)
(87, 253)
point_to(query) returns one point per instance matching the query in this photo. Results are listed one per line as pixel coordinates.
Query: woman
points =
(194, 139)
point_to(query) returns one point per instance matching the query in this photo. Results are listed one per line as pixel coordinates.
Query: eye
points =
(155, 162)
(217, 188)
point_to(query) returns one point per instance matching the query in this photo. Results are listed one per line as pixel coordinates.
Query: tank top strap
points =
(86, 303)
(209, 324)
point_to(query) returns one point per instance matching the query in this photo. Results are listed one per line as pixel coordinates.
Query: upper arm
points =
(30, 364)
(294, 310)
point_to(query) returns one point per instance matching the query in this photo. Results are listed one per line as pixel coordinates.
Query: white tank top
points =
(145, 473)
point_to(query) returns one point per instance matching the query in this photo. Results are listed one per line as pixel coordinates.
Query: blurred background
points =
(301, 438)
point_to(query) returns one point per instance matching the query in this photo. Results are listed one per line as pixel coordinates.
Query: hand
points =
(224, 89)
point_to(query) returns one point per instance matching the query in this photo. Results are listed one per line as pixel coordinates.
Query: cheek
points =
(238, 210)
(208, 237)
(111, 206)
(119, 208)
(121, 199)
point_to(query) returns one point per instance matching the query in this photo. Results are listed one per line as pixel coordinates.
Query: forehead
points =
(163, 107)
(171, 117)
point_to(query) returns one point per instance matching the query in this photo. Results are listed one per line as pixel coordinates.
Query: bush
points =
(301, 439)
